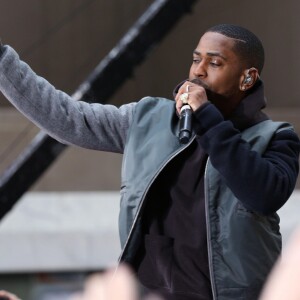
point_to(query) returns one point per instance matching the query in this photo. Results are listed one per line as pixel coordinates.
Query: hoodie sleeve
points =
(93, 126)
(263, 183)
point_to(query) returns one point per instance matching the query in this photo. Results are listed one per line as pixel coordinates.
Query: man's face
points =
(219, 70)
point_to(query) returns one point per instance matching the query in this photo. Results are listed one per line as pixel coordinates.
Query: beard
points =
(223, 103)
(211, 95)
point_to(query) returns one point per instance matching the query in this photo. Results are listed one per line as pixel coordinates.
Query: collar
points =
(249, 111)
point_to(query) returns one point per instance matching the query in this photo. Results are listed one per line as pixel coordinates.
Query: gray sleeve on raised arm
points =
(93, 126)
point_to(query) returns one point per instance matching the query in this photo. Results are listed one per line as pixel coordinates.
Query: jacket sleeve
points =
(93, 126)
(263, 183)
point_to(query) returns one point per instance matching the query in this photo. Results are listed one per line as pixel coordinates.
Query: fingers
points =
(111, 285)
(192, 94)
(182, 96)
(8, 296)
(283, 282)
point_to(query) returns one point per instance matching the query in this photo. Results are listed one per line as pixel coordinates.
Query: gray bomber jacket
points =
(242, 245)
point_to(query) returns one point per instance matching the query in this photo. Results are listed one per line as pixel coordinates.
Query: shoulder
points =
(287, 138)
(154, 105)
(284, 149)
(155, 101)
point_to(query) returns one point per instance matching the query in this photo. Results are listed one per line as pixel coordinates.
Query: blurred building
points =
(64, 40)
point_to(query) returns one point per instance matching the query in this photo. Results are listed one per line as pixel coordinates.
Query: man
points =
(197, 220)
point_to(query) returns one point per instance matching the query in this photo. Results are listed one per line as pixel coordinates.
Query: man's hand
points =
(196, 96)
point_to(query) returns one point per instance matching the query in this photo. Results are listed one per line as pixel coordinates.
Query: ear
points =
(248, 79)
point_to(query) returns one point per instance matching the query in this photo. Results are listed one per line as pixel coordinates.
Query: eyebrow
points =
(211, 54)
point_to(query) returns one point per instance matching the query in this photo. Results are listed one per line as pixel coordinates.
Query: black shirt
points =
(174, 262)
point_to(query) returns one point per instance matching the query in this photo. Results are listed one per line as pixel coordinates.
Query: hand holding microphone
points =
(185, 116)
(189, 98)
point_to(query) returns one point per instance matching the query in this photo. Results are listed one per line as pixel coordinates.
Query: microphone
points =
(185, 124)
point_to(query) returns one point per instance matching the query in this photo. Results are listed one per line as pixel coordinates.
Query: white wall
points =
(77, 231)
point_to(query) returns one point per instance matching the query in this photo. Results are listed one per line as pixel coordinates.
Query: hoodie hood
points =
(249, 111)
(177, 87)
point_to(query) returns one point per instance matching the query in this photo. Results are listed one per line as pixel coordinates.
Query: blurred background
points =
(65, 226)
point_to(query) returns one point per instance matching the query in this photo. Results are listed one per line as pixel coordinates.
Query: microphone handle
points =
(185, 124)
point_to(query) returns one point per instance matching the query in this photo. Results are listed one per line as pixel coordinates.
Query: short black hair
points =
(248, 45)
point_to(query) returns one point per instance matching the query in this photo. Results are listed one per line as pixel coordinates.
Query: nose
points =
(199, 69)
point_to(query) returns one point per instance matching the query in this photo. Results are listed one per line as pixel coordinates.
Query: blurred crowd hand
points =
(112, 285)
(4, 295)
(283, 282)
(117, 284)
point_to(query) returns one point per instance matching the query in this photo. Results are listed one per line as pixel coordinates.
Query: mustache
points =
(200, 82)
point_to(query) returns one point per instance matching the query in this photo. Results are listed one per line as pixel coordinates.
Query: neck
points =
(226, 105)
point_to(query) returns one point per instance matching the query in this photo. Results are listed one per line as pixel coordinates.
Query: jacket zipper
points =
(146, 191)
(208, 232)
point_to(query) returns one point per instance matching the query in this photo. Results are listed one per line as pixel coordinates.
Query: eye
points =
(196, 60)
(215, 63)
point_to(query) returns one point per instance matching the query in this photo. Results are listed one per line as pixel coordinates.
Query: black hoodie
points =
(175, 224)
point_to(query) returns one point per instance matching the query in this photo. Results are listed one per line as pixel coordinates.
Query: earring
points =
(248, 79)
